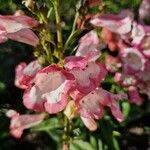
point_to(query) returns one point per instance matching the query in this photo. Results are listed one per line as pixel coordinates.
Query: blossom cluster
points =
(51, 88)
(131, 66)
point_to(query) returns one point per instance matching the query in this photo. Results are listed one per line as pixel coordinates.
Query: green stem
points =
(72, 31)
(58, 25)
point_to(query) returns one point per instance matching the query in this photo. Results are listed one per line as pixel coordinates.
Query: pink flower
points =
(18, 28)
(90, 44)
(112, 63)
(88, 75)
(25, 74)
(134, 96)
(133, 60)
(92, 104)
(20, 122)
(144, 9)
(138, 33)
(25, 36)
(120, 23)
(50, 90)
(125, 80)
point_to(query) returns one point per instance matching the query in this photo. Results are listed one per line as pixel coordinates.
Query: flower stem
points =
(72, 31)
(58, 25)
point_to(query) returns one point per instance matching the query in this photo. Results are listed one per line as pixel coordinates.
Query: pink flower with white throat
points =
(50, 90)
(25, 73)
(88, 74)
(18, 28)
(120, 23)
(90, 44)
(20, 122)
(133, 60)
(92, 104)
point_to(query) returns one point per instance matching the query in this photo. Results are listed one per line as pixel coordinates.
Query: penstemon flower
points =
(18, 28)
(25, 73)
(20, 122)
(50, 90)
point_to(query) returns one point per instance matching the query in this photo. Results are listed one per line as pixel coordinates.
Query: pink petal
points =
(91, 105)
(16, 23)
(32, 99)
(138, 33)
(144, 75)
(120, 23)
(89, 78)
(20, 122)
(57, 100)
(25, 73)
(3, 34)
(116, 111)
(51, 90)
(75, 62)
(112, 63)
(145, 46)
(89, 123)
(89, 43)
(25, 36)
(134, 96)
(144, 9)
(133, 60)
(125, 80)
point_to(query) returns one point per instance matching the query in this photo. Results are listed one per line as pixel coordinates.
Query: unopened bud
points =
(71, 110)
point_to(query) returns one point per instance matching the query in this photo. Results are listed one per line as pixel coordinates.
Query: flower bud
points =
(71, 110)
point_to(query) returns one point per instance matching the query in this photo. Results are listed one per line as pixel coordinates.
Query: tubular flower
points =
(20, 122)
(89, 44)
(92, 104)
(50, 90)
(112, 63)
(120, 24)
(125, 80)
(25, 74)
(132, 59)
(88, 75)
(134, 96)
(18, 28)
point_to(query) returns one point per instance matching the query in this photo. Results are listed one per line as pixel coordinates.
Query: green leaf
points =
(49, 124)
(93, 142)
(125, 109)
(56, 135)
(80, 145)
(116, 144)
